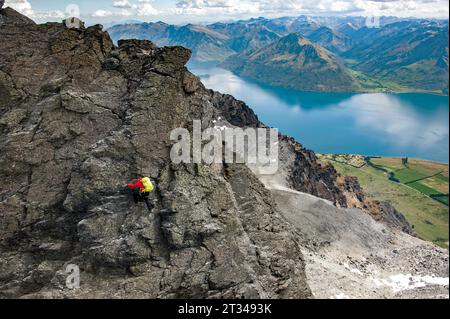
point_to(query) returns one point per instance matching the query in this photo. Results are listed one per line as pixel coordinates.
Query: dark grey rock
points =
(79, 119)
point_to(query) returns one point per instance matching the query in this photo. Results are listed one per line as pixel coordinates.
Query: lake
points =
(400, 125)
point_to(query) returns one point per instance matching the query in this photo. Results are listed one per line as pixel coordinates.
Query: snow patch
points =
(402, 282)
(341, 296)
(221, 128)
(353, 270)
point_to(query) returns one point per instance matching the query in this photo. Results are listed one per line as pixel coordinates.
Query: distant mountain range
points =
(410, 53)
(316, 53)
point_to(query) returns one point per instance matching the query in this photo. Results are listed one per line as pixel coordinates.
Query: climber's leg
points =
(149, 205)
(145, 197)
(136, 196)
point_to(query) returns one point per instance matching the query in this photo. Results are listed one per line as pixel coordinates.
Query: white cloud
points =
(123, 4)
(125, 13)
(214, 10)
(49, 15)
(22, 6)
(140, 8)
(218, 7)
(102, 14)
(145, 8)
(417, 8)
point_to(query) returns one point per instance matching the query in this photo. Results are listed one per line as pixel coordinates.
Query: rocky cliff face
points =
(80, 118)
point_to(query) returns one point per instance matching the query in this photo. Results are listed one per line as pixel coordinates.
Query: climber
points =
(141, 191)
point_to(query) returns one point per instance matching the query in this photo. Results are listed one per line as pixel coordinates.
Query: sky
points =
(197, 11)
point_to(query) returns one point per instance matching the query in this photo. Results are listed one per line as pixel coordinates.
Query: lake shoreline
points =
(356, 91)
(383, 90)
(392, 157)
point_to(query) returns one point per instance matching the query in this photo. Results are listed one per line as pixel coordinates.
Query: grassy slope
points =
(429, 217)
(372, 84)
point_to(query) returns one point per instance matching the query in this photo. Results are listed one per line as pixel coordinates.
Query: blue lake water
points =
(413, 125)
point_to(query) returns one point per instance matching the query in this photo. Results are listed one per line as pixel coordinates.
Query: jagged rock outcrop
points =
(380, 211)
(81, 118)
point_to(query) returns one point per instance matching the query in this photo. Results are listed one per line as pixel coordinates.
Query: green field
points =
(411, 196)
(423, 188)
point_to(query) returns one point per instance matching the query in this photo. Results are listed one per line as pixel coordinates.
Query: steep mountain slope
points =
(348, 29)
(413, 54)
(348, 255)
(294, 62)
(212, 43)
(332, 40)
(278, 25)
(80, 118)
(158, 32)
(246, 36)
(304, 25)
(207, 45)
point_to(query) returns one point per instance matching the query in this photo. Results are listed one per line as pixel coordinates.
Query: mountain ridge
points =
(349, 38)
(294, 62)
